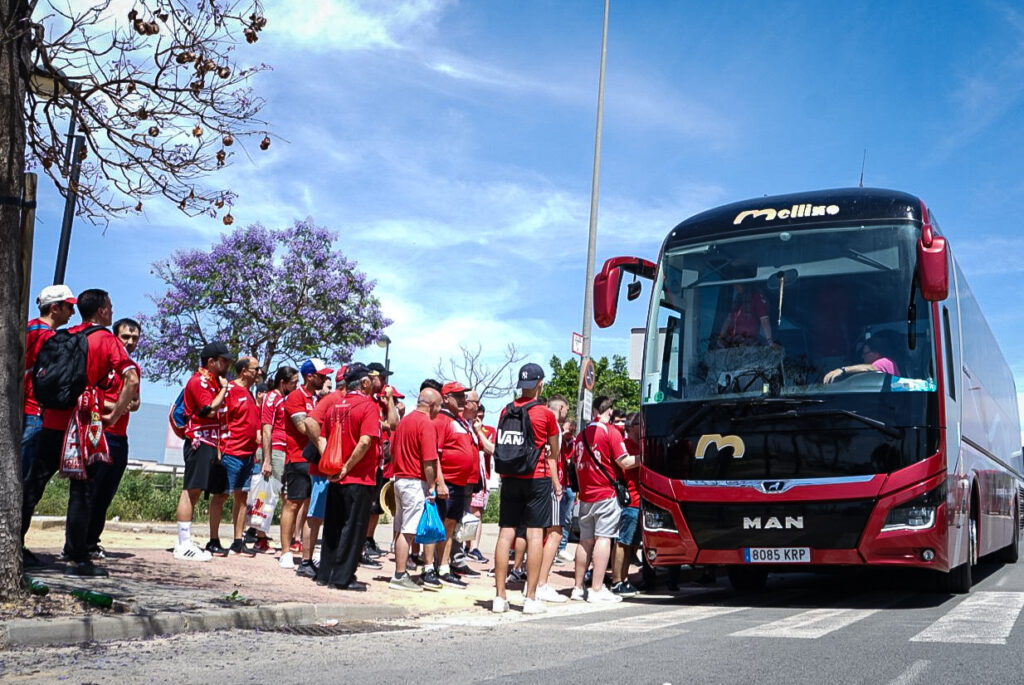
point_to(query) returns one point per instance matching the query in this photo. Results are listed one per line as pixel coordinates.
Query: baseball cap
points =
(453, 387)
(340, 376)
(377, 367)
(529, 376)
(356, 372)
(55, 293)
(216, 349)
(315, 366)
(394, 392)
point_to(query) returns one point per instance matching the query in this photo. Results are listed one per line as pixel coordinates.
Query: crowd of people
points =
(333, 439)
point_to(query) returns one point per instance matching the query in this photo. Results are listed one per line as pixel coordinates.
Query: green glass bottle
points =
(37, 587)
(99, 599)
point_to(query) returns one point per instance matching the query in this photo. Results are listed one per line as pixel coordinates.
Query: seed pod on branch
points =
(265, 143)
(228, 219)
(228, 140)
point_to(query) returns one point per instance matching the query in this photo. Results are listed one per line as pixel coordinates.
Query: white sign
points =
(588, 402)
(577, 344)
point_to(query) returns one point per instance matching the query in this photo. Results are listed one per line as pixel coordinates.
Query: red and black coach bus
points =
(820, 388)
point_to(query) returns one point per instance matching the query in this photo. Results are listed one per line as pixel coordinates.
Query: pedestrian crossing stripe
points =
(983, 618)
(810, 624)
(645, 623)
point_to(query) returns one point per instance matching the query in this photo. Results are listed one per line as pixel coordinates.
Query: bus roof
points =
(811, 209)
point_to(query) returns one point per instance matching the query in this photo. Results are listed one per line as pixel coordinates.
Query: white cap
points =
(55, 293)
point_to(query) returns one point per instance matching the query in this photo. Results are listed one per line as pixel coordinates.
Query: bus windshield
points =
(789, 313)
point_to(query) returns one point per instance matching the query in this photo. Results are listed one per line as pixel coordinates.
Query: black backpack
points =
(59, 376)
(515, 452)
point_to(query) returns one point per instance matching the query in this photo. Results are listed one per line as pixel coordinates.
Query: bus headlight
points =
(918, 513)
(656, 518)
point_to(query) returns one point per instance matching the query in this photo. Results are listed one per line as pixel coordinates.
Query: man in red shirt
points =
(386, 397)
(238, 442)
(347, 508)
(105, 354)
(460, 467)
(530, 500)
(108, 476)
(414, 457)
(598, 447)
(629, 523)
(205, 395)
(298, 406)
(56, 305)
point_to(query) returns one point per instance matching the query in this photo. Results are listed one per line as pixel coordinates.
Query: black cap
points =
(215, 349)
(356, 372)
(529, 376)
(379, 368)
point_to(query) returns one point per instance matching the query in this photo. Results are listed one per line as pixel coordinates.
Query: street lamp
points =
(582, 408)
(385, 342)
(49, 84)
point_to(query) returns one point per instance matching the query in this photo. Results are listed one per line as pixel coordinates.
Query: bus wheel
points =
(1010, 553)
(745, 579)
(959, 579)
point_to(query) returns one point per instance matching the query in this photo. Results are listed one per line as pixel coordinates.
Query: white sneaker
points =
(533, 606)
(499, 605)
(578, 594)
(546, 593)
(191, 552)
(286, 561)
(565, 555)
(604, 595)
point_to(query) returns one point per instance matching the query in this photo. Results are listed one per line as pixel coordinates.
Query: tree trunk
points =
(13, 16)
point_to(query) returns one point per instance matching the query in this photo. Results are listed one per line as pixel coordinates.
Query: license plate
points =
(777, 555)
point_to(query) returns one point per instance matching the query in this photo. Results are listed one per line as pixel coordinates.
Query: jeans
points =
(565, 512)
(29, 440)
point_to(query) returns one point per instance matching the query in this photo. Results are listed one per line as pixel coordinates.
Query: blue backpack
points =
(177, 416)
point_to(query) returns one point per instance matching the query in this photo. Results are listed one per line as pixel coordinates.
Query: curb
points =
(76, 630)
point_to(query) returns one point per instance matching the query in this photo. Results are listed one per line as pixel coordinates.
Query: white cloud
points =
(330, 25)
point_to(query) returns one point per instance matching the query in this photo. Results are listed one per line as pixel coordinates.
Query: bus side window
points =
(948, 349)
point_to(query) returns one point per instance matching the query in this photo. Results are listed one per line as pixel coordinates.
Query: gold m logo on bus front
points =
(794, 212)
(720, 442)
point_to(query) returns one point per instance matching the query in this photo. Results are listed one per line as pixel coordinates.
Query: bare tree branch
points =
(488, 380)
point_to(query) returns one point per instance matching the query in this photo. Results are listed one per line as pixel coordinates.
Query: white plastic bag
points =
(263, 496)
(466, 530)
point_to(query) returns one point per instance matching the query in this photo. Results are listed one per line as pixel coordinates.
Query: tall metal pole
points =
(72, 167)
(582, 412)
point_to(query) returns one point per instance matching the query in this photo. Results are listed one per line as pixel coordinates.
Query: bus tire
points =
(745, 579)
(1010, 553)
(959, 580)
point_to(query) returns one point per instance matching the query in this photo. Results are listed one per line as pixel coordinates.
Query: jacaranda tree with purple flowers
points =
(282, 295)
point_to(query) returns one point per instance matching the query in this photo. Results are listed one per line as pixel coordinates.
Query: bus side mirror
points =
(606, 286)
(606, 295)
(933, 268)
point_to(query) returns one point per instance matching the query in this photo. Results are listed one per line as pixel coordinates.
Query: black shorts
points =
(525, 502)
(297, 484)
(203, 470)
(454, 507)
(375, 508)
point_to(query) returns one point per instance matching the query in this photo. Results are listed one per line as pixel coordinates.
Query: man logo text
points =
(794, 212)
(720, 442)
(772, 523)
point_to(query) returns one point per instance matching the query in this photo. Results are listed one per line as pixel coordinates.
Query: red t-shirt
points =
(630, 476)
(460, 456)
(105, 354)
(272, 414)
(299, 403)
(200, 391)
(607, 445)
(356, 415)
(545, 424)
(38, 332)
(414, 442)
(114, 384)
(240, 437)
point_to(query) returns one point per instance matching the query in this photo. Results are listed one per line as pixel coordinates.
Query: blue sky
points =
(450, 144)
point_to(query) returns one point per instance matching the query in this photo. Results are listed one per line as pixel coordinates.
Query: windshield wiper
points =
(880, 426)
(864, 259)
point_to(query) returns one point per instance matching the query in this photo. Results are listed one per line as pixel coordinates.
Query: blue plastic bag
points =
(431, 528)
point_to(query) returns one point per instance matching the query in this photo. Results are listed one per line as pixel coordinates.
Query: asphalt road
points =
(841, 628)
